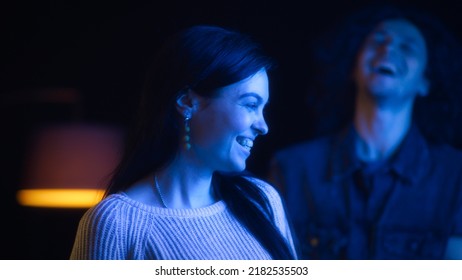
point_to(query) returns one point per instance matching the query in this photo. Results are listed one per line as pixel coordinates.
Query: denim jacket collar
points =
(409, 162)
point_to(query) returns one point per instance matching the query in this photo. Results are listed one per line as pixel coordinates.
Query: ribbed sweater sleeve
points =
(100, 234)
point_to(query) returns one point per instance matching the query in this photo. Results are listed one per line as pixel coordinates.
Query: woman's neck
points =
(185, 186)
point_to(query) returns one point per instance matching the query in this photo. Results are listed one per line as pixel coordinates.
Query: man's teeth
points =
(245, 142)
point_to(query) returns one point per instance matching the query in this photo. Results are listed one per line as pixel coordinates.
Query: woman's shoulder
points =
(263, 184)
(276, 203)
(269, 190)
(108, 208)
(117, 207)
(104, 228)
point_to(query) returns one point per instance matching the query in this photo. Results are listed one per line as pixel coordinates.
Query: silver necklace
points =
(156, 184)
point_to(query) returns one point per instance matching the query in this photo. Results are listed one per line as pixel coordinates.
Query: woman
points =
(179, 191)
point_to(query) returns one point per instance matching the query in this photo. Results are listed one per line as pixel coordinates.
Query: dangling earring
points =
(187, 129)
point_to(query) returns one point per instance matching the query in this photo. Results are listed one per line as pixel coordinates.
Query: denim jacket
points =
(405, 208)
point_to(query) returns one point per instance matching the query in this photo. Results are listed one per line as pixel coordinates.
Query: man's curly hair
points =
(331, 92)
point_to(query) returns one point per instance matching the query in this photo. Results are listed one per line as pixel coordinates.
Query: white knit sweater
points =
(122, 228)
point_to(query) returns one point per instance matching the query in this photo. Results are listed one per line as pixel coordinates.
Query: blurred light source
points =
(70, 165)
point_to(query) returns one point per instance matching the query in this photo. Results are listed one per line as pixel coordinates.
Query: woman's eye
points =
(252, 106)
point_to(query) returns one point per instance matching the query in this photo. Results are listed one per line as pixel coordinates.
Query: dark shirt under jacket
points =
(341, 208)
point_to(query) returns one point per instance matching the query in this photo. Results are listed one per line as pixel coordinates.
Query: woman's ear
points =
(187, 102)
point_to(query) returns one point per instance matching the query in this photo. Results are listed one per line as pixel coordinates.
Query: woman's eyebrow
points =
(251, 94)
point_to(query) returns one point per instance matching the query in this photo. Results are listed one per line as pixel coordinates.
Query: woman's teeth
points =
(245, 142)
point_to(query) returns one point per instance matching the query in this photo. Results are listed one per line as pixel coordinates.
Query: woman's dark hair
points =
(203, 59)
(332, 92)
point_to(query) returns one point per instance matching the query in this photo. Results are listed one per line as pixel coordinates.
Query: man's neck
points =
(380, 129)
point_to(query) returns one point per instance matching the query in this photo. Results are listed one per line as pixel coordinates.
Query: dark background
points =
(102, 49)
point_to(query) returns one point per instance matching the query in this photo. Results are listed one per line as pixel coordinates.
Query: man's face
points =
(392, 62)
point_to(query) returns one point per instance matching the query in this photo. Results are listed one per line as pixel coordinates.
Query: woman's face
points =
(392, 61)
(224, 128)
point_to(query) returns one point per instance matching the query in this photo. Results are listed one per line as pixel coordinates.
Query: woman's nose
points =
(261, 126)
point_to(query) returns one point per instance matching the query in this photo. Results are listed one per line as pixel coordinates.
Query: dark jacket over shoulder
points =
(406, 208)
